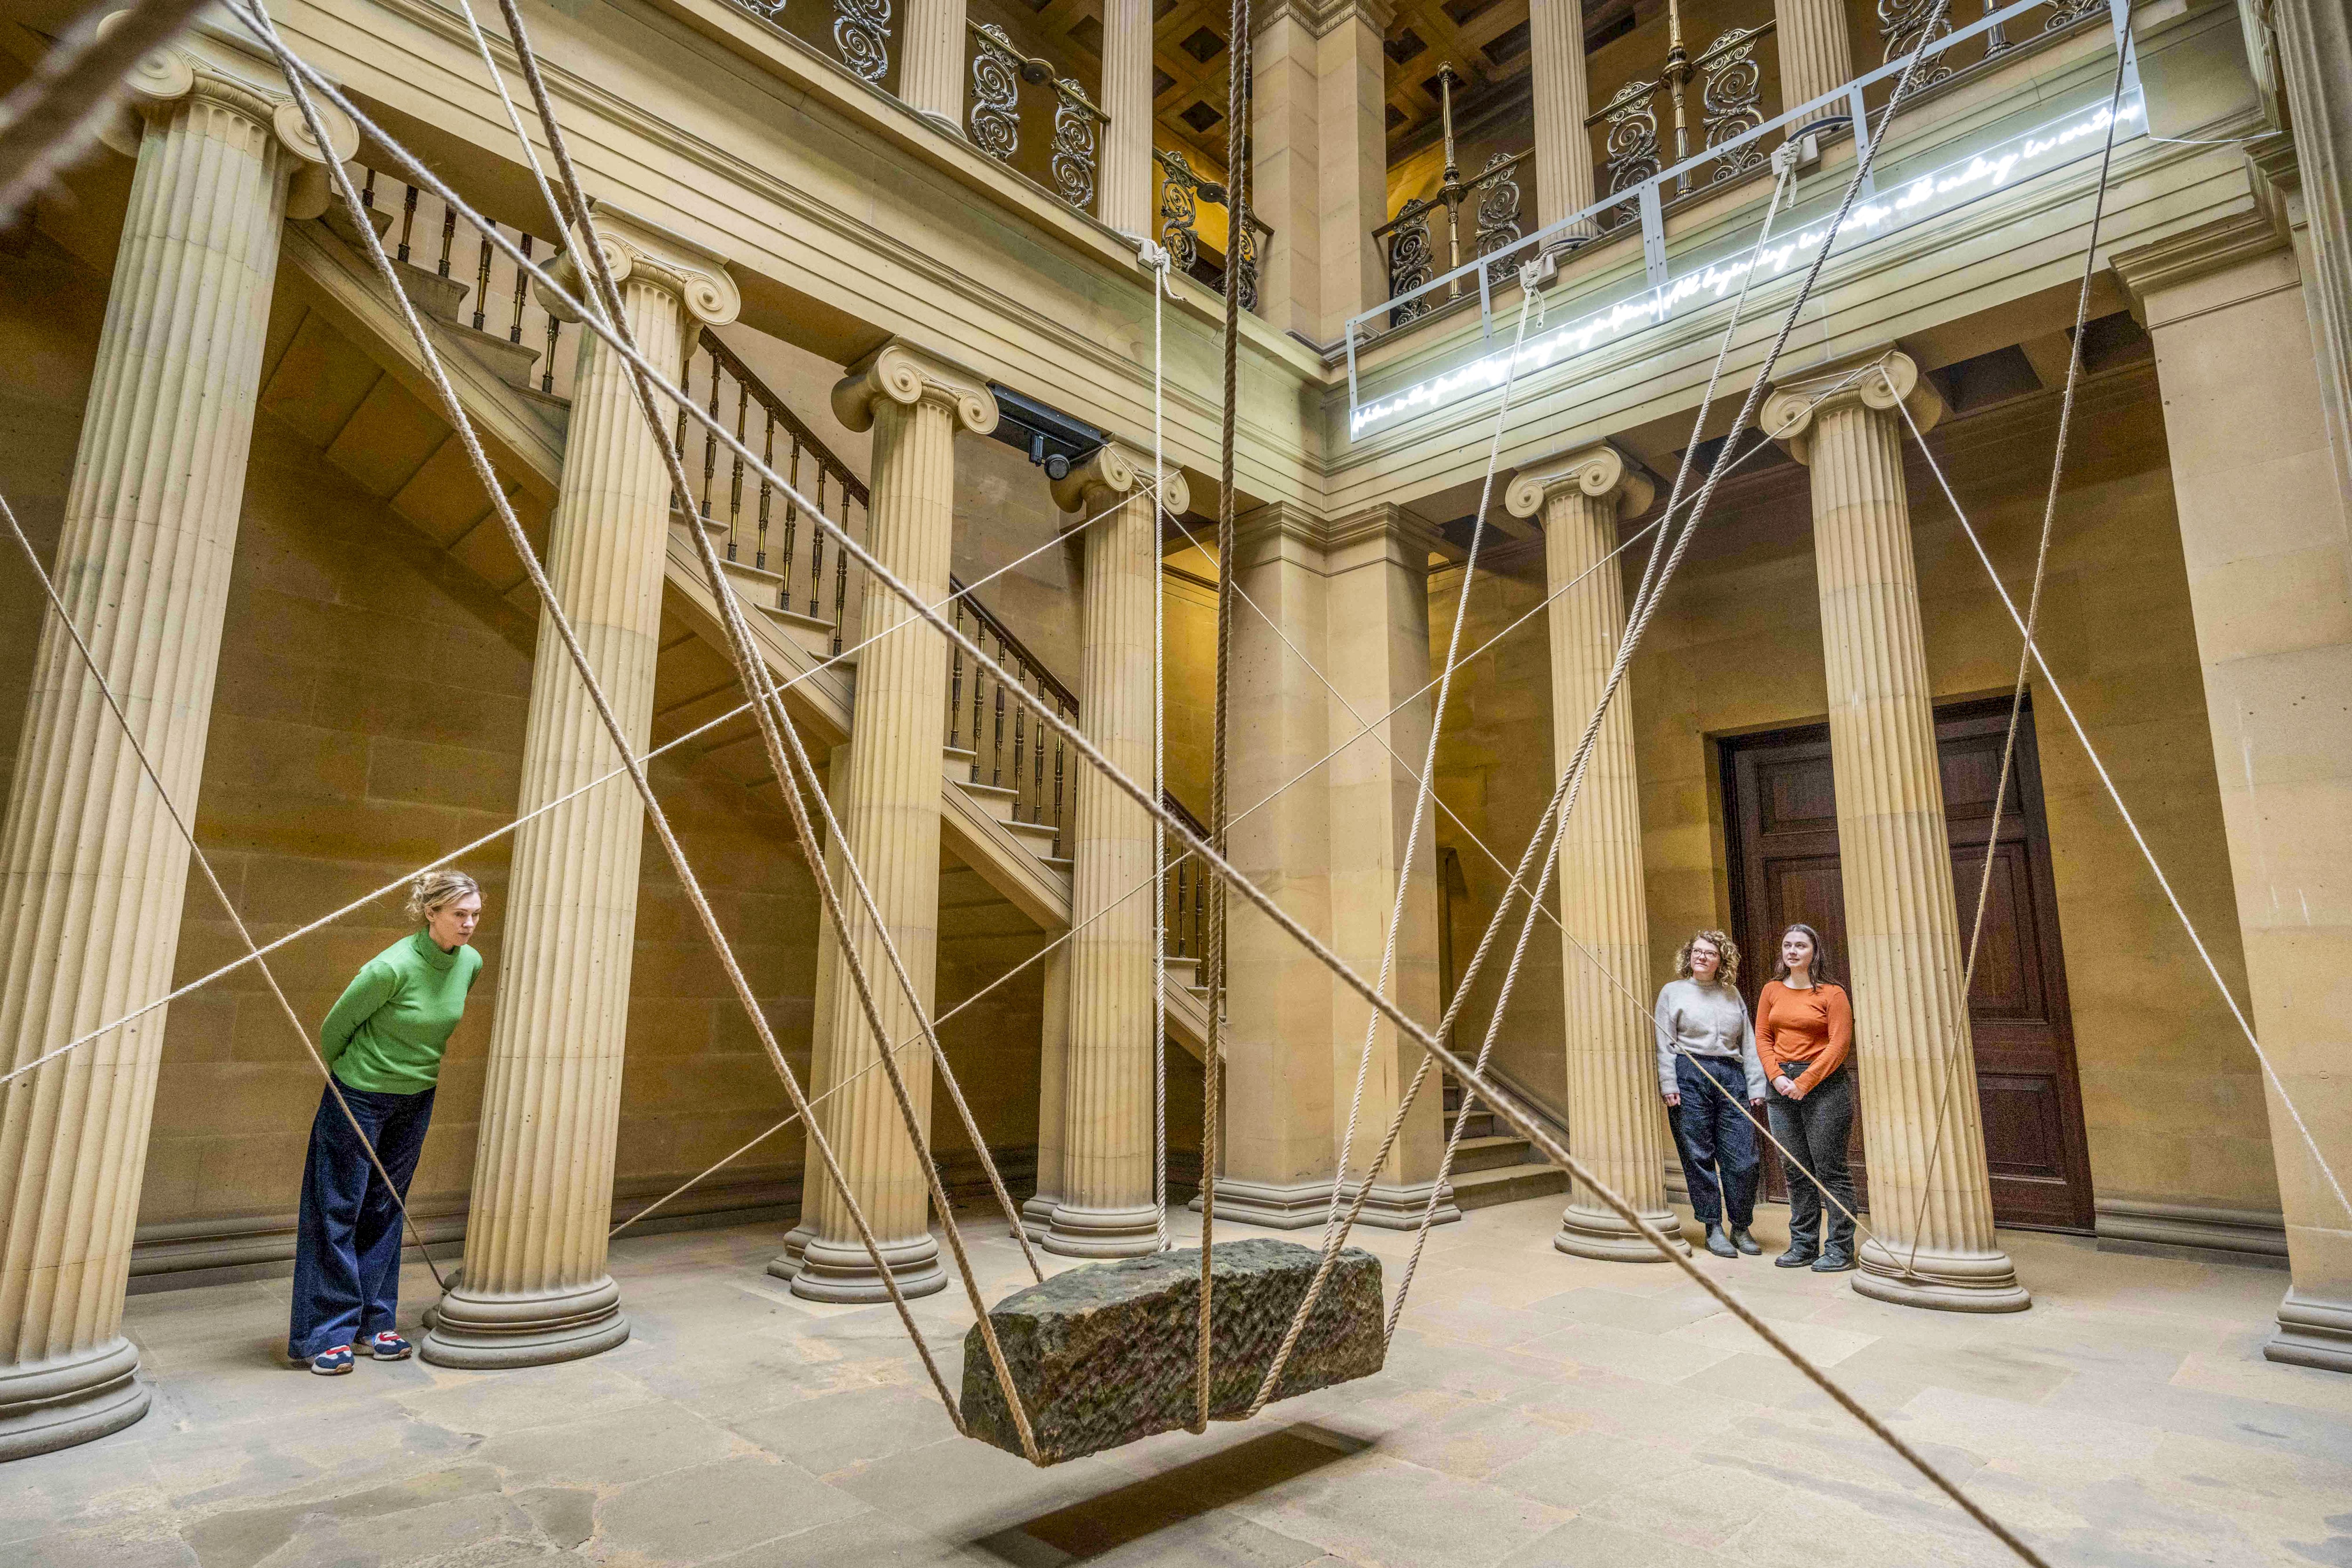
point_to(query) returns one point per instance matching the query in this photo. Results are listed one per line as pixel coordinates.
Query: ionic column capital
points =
(1109, 475)
(639, 248)
(222, 68)
(1890, 379)
(899, 372)
(1603, 472)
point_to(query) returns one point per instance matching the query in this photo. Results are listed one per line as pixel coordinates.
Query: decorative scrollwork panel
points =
(1631, 142)
(1074, 149)
(1731, 100)
(1902, 25)
(1498, 212)
(861, 31)
(1412, 259)
(995, 94)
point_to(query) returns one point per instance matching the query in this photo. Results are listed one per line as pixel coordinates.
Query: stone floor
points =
(1535, 1410)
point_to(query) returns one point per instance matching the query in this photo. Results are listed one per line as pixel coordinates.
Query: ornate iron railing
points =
(1730, 105)
(422, 233)
(998, 70)
(1406, 239)
(1181, 192)
(759, 526)
(1904, 23)
(1184, 908)
(1008, 748)
(861, 31)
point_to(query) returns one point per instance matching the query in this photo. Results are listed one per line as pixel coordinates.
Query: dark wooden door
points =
(1781, 811)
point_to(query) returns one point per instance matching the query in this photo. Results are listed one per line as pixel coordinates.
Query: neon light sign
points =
(1930, 195)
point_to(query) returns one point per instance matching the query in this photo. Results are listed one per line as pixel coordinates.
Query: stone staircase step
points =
(1492, 1154)
(1508, 1184)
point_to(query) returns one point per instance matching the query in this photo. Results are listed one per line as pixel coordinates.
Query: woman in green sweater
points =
(383, 1041)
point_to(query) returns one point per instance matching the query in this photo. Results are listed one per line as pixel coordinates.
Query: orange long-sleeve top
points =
(1809, 1030)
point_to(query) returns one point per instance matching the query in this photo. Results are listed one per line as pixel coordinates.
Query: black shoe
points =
(1836, 1260)
(1745, 1242)
(1798, 1256)
(1721, 1244)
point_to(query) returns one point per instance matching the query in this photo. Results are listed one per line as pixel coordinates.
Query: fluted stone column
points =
(535, 1287)
(1127, 184)
(1816, 56)
(888, 804)
(2264, 536)
(931, 67)
(1107, 1208)
(1614, 1124)
(1911, 1020)
(92, 868)
(1053, 1094)
(1562, 98)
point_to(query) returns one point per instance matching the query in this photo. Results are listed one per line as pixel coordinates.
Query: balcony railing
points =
(1184, 908)
(1009, 751)
(1181, 192)
(999, 72)
(1407, 240)
(1734, 141)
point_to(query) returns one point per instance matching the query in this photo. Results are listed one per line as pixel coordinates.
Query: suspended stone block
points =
(1106, 1354)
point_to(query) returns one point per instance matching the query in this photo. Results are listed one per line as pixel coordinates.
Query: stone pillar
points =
(1281, 1127)
(1376, 651)
(1319, 167)
(2319, 102)
(1564, 181)
(1129, 188)
(1903, 966)
(2262, 527)
(1816, 57)
(1107, 1207)
(92, 868)
(887, 801)
(535, 1288)
(933, 62)
(1614, 1121)
(1053, 1094)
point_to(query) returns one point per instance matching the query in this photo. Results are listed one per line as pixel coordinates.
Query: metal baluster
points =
(996, 751)
(407, 221)
(481, 281)
(977, 676)
(711, 440)
(767, 460)
(735, 486)
(367, 193)
(955, 683)
(792, 527)
(514, 332)
(840, 568)
(1451, 187)
(448, 237)
(817, 553)
(547, 376)
(1020, 732)
(1058, 745)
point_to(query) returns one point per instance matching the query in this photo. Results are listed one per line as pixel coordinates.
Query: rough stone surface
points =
(1106, 1354)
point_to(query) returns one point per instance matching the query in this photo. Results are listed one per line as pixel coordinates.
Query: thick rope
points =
(796, 773)
(51, 116)
(1257, 897)
(212, 881)
(2131, 823)
(519, 541)
(1420, 797)
(1212, 1060)
(1965, 1046)
(1156, 258)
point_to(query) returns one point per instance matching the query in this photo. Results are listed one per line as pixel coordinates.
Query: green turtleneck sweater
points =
(387, 1033)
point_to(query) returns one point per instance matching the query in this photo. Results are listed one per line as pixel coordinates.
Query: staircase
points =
(340, 369)
(1494, 1164)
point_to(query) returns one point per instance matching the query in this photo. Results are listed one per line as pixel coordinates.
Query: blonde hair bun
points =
(432, 889)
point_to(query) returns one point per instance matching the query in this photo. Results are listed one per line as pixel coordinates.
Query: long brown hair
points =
(1820, 969)
(1723, 944)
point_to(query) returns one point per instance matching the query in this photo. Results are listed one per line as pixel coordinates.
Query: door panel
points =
(1780, 804)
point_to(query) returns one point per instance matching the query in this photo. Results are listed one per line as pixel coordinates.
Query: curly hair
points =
(1722, 943)
(432, 889)
(1821, 966)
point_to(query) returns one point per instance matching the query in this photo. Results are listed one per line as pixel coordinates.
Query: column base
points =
(2310, 1333)
(1956, 1282)
(843, 1272)
(1597, 1233)
(55, 1405)
(1036, 1214)
(488, 1332)
(1306, 1205)
(1399, 1207)
(1076, 1232)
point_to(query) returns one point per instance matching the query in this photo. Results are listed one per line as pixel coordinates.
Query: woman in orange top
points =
(1804, 1032)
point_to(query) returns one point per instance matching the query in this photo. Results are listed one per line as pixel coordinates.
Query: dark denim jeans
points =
(1717, 1143)
(347, 1252)
(1815, 1129)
